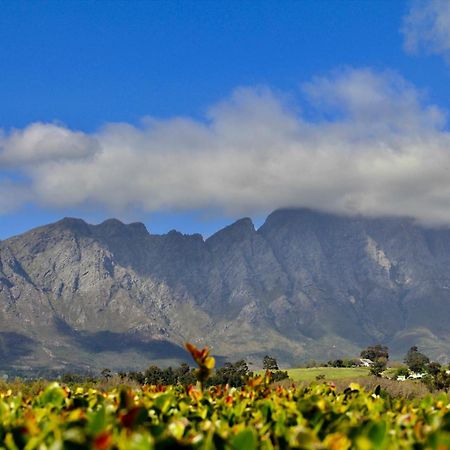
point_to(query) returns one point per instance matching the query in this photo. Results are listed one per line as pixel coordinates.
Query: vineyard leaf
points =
(244, 440)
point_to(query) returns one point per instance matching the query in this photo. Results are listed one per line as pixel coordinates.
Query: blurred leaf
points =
(377, 434)
(97, 420)
(163, 402)
(53, 395)
(210, 362)
(244, 440)
(134, 417)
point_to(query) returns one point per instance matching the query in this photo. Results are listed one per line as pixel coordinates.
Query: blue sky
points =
(224, 68)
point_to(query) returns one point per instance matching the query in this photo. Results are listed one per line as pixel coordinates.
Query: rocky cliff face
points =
(305, 285)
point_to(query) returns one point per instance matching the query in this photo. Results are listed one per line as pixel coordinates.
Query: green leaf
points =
(97, 420)
(377, 434)
(244, 440)
(53, 395)
(163, 402)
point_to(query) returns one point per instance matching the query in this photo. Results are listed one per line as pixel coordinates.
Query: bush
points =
(279, 375)
(378, 366)
(438, 381)
(402, 372)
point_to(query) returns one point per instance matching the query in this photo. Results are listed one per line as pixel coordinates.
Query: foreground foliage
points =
(253, 417)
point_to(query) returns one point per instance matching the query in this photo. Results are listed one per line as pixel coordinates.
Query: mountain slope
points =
(305, 285)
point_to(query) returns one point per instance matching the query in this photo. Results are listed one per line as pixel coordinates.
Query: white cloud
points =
(383, 102)
(426, 28)
(42, 142)
(380, 150)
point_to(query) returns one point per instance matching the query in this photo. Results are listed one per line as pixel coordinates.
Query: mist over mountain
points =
(304, 285)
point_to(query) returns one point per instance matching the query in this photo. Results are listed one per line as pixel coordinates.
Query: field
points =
(331, 373)
(258, 416)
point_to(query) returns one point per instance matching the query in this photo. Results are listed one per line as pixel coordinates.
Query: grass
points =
(331, 373)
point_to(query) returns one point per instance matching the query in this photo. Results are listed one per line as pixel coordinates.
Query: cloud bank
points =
(426, 28)
(375, 147)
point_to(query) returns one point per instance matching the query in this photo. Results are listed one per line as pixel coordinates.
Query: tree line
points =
(234, 374)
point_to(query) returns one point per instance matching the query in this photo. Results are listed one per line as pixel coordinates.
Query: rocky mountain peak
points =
(303, 217)
(116, 228)
(73, 224)
(240, 230)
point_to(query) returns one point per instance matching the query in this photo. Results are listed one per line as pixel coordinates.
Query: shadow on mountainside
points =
(109, 341)
(14, 346)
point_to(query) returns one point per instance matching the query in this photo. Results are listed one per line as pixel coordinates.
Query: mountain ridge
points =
(306, 284)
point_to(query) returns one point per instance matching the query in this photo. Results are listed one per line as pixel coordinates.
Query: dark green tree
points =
(442, 380)
(168, 377)
(106, 374)
(378, 366)
(415, 360)
(336, 363)
(234, 374)
(153, 375)
(270, 363)
(138, 377)
(437, 378)
(374, 352)
(185, 375)
(434, 368)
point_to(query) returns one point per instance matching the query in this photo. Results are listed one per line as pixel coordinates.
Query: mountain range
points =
(305, 285)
